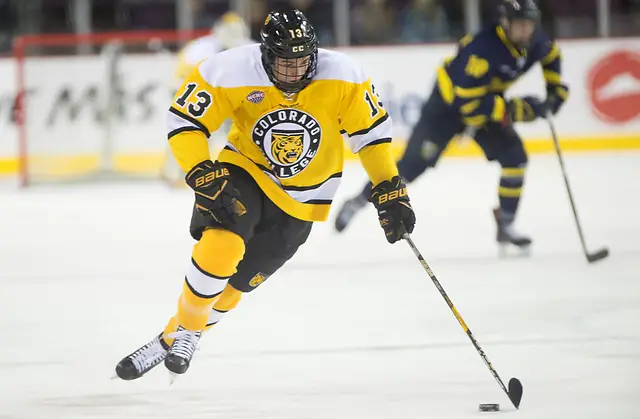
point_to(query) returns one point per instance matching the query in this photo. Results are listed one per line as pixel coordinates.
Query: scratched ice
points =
(351, 327)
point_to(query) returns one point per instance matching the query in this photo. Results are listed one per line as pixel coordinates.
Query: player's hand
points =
(556, 96)
(526, 109)
(216, 197)
(394, 209)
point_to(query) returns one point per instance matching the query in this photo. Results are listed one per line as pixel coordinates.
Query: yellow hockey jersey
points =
(292, 145)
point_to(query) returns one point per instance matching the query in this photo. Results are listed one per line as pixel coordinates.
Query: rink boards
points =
(68, 128)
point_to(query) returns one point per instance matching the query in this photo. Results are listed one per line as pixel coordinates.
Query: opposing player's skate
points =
(506, 234)
(348, 211)
(180, 353)
(143, 359)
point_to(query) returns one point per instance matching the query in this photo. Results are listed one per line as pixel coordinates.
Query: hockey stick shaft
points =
(601, 254)
(556, 144)
(513, 396)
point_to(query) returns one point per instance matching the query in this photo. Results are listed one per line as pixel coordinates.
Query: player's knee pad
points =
(514, 156)
(218, 252)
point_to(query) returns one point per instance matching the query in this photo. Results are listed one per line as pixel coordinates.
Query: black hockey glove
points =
(526, 109)
(556, 96)
(394, 209)
(216, 197)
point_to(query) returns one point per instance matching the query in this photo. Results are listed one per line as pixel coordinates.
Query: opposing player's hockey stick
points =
(515, 386)
(468, 134)
(591, 257)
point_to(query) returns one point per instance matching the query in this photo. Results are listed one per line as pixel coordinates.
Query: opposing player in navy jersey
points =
(470, 92)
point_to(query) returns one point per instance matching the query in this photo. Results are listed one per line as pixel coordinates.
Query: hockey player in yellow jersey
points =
(292, 106)
(229, 31)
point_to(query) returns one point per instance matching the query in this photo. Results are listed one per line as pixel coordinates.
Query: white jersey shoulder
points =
(334, 65)
(235, 67)
(201, 48)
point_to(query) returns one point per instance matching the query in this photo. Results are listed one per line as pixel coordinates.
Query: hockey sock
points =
(214, 259)
(511, 181)
(227, 301)
(224, 303)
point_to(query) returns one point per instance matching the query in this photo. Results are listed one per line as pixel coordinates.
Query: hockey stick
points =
(515, 386)
(591, 257)
(468, 134)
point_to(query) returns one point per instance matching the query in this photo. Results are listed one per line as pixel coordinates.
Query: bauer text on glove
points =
(394, 209)
(216, 197)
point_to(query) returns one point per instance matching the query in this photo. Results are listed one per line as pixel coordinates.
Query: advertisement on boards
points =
(74, 106)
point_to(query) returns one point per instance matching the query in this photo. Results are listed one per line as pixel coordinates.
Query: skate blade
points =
(173, 377)
(505, 252)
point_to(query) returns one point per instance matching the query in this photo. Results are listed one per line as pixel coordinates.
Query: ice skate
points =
(143, 359)
(507, 235)
(348, 211)
(180, 353)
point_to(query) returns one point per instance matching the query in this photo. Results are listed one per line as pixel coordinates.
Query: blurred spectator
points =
(372, 23)
(7, 25)
(202, 17)
(320, 14)
(147, 14)
(625, 17)
(206, 12)
(56, 16)
(257, 15)
(424, 21)
(573, 18)
(454, 9)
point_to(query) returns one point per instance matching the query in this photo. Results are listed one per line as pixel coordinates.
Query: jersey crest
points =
(289, 139)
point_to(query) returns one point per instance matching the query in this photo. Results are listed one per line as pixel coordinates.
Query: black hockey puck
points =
(489, 407)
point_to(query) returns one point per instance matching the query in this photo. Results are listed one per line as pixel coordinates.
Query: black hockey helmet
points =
(288, 34)
(520, 9)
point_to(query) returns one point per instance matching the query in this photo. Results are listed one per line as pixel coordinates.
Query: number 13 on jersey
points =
(373, 100)
(197, 107)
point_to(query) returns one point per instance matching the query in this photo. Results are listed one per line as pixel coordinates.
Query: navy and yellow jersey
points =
(486, 65)
(292, 145)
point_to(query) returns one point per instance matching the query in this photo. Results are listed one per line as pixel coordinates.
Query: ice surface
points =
(351, 327)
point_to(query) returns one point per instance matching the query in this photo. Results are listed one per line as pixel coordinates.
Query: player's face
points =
(521, 31)
(290, 70)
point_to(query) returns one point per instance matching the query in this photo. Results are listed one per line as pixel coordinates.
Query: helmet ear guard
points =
(288, 35)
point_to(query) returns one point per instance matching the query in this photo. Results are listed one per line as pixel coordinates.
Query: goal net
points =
(93, 107)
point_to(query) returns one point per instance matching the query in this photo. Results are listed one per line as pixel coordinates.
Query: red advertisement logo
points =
(613, 84)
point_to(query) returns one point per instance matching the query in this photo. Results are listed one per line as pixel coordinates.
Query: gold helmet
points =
(231, 30)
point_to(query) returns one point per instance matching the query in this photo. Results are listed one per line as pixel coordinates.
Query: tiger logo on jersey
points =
(289, 139)
(286, 146)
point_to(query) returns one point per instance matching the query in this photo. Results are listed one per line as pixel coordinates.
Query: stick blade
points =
(599, 255)
(515, 392)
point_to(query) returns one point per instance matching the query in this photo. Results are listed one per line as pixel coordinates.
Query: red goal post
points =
(94, 105)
